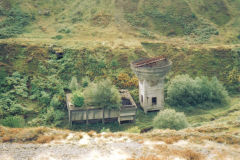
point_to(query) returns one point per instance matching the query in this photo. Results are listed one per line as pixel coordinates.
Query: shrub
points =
(238, 36)
(125, 81)
(64, 30)
(78, 99)
(44, 98)
(16, 109)
(183, 91)
(58, 37)
(53, 117)
(74, 84)
(102, 94)
(55, 102)
(18, 84)
(85, 82)
(15, 22)
(171, 119)
(114, 64)
(13, 121)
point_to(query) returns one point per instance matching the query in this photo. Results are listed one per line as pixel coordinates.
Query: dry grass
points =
(33, 135)
(91, 133)
(150, 157)
(7, 139)
(45, 139)
(163, 152)
(187, 154)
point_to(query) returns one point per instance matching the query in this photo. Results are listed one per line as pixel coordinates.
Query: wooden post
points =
(87, 116)
(70, 118)
(119, 118)
(103, 116)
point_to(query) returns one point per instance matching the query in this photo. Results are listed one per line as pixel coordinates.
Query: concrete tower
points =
(151, 73)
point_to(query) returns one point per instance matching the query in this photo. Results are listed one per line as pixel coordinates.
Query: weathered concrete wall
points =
(148, 92)
(151, 84)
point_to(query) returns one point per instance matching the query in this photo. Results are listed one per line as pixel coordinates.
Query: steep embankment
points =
(45, 72)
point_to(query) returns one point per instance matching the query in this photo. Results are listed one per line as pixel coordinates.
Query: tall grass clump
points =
(170, 119)
(184, 91)
(102, 94)
(13, 121)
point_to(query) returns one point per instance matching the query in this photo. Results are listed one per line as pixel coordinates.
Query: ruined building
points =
(151, 73)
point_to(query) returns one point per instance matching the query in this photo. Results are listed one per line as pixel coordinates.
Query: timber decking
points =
(127, 111)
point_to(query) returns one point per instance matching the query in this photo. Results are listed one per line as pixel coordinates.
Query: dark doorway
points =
(126, 101)
(154, 101)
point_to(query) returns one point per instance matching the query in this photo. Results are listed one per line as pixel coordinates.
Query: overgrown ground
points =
(44, 43)
(215, 140)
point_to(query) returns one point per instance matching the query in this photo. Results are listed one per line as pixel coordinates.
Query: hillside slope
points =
(76, 21)
(43, 44)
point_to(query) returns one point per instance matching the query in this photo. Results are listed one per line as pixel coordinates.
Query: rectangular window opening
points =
(142, 98)
(154, 101)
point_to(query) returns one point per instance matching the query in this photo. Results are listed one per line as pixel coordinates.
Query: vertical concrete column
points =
(160, 98)
(145, 94)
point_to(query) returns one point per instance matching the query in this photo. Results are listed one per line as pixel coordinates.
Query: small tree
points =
(102, 94)
(171, 119)
(74, 84)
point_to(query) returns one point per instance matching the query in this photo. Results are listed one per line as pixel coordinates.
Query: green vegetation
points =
(183, 91)
(78, 99)
(14, 23)
(73, 86)
(13, 121)
(58, 37)
(49, 45)
(12, 87)
(102, 94)
(171, 119)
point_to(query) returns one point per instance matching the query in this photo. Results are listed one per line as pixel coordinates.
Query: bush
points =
(58, 37)
(85, 82)
(53, 117)
(64, 30)
(78, 99)
(238, 36)
(183, 91)
(102, 94)
(16, 109)
(44, 99)
(125, 81)
(13, 121)
(55, 102)
(15, 22)
(74, 84)
(171, 119)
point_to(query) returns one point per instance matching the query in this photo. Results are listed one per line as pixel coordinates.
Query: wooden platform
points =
(127, 111)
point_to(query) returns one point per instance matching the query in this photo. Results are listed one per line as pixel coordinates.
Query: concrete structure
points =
(151, 73)
(127, 111)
